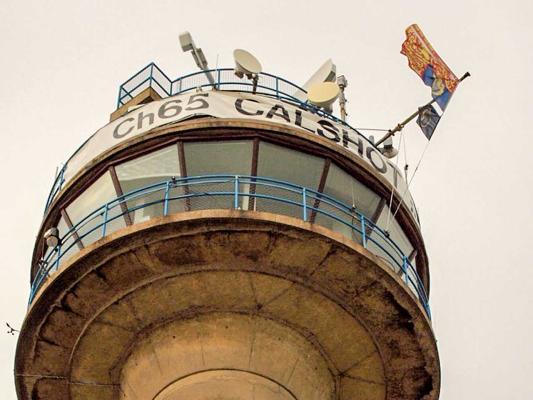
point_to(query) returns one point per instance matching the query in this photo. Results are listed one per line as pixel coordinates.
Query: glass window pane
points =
(347, 190)
(290, 166)
(84, 217)
(342, 187)
(395, 231)
(413, 262)
(151, 169)
(217, 158)
(396, 234)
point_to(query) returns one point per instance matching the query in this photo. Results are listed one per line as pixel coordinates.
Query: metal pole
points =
(363, 229)
(58, 256)
(304, 199)
(105, 221)
(401, 125)
(236, 193)
(343, 83)
(404, 268)
(342, 104)
(165, 208)
(255, 80)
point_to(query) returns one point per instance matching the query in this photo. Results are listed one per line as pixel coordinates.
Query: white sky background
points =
(61, 63)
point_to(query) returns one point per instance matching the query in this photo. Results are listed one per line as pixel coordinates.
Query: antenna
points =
(247, 64)
(187, 44)
(326, 73)
(323, 94)
(343, 83)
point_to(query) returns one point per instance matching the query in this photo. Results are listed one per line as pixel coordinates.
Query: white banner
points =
(221, 104)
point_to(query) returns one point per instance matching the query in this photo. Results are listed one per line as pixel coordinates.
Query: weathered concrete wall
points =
(229, 299)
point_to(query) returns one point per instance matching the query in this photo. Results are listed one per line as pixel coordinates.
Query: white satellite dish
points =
(323, 94)
(246, 63)
(326, 73)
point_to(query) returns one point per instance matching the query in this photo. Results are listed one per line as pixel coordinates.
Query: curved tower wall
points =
(215, 244)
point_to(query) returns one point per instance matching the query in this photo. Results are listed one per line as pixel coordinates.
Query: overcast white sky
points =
(61, 63)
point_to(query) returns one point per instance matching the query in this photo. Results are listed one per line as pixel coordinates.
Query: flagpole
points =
(402, 124)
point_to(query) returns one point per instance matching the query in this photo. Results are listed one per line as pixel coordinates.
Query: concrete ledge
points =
(369, 334)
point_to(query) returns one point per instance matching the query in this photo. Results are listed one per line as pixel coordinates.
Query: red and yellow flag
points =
(425, 61)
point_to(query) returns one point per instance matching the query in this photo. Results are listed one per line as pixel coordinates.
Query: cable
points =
(373, 129)
(392, 186)
(405, 164)
(412, 177)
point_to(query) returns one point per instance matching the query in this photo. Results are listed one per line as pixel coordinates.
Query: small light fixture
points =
(51, 237)
(388, 149)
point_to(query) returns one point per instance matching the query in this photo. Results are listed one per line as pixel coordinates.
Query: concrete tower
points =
(220, 241)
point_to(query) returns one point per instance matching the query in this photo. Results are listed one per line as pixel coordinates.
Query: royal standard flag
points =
(425, 61)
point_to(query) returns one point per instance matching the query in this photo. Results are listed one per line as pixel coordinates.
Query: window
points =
(217, 158)
(344, 188)
(68, 245)
(86, 212)
(151, 169)
(388, 251)
(290, 166)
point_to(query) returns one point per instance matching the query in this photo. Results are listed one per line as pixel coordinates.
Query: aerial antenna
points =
(343, 83)
(247, 64)
(187, 44)
(323, 95)
(326, 73)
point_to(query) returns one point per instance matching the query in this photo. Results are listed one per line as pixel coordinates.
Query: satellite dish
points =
(323, 94)
(246, 64)
(326, 73)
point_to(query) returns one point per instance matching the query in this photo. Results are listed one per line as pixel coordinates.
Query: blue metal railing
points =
(56, 186)
(225, 79)
(237, 192)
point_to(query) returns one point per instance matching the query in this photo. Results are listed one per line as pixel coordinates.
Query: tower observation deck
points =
(218, 241)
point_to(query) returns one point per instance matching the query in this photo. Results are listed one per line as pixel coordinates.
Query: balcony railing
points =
(225, 79)
(233, 192)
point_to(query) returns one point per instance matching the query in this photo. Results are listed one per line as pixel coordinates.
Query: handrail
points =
(239, 188)
(130, 88)
(56, 186)
(194, 80)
